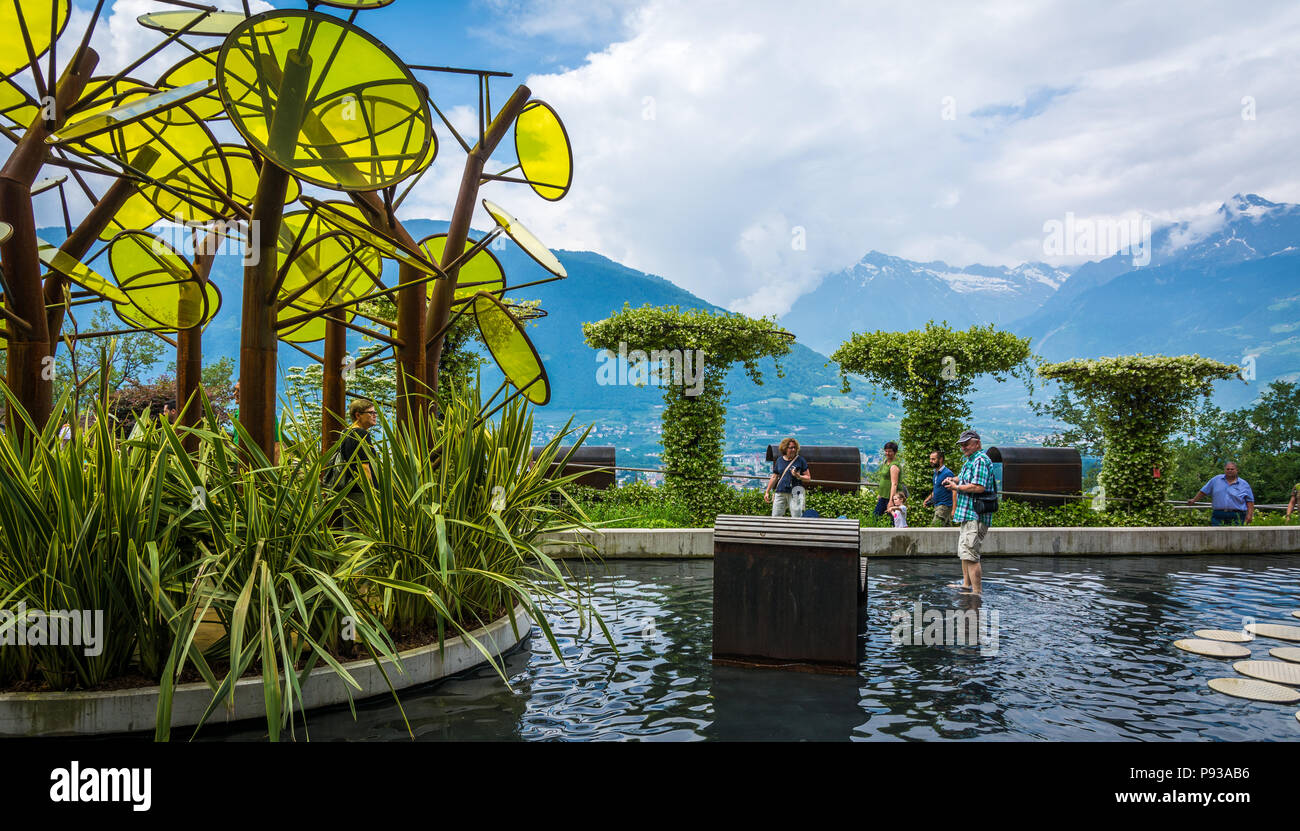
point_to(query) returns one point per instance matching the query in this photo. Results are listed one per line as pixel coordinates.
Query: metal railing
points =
(1174, 503)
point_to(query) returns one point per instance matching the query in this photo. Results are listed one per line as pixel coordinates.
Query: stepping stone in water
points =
(1273, 630)
(1286, 653)
(1279, 672)
(1296, 613)
(1212, 649)
(1254, 690)
(1225, 635)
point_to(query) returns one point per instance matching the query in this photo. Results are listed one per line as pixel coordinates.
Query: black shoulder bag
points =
(987, 502)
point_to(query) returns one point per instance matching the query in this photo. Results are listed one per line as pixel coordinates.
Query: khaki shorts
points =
(942, 516)
(971, 540)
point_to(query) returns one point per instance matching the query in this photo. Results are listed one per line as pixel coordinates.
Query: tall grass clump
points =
(456, 519)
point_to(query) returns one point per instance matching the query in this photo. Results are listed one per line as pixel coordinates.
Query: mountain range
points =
(1224, 286)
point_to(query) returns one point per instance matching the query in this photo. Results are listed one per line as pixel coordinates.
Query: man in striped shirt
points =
(976, 477)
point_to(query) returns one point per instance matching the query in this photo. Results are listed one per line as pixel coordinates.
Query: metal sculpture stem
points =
(30, 362)
(444, 290)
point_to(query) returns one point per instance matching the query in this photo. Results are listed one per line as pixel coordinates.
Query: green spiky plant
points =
(458, 513)
(86, 526)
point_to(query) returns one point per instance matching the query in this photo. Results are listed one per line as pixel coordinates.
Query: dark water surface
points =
(1082, 652)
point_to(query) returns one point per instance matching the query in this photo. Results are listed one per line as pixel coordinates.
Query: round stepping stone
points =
(1254, 690)
(1225, 635)
(1296, 613)
(1212, 649)
(1273, 630)
(1286, 653)
(1279, 672)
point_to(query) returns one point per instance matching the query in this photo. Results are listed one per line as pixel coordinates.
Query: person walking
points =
(354, 458)
(789, 470)
(1232, 501)
(975, 478)
(940, 498)
(890, 479)
(1295, 496)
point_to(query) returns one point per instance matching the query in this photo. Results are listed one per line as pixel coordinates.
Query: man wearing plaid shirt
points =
(976, 477)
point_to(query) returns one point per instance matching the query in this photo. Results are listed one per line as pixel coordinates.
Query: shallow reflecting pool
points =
(1076, 648)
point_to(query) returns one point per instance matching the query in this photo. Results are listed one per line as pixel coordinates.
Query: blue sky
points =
(745, 148)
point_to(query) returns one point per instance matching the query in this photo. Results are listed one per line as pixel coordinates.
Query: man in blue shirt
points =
(940, 498)
(1231, 498)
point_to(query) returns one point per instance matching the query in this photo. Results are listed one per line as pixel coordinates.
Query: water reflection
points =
(1081, 651)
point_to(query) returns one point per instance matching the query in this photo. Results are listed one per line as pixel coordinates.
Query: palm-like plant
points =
(456, 516)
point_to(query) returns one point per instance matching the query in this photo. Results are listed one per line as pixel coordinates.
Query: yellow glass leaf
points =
(83, 127)
(210, 24)
(482, 272)
(324, 265)
(6, 231)
(511, 349)
(524, 239)
(324, 100)
(137, 213)
(542, 145)
(38, 17)
(201, 66)
(17, 109)
(76, 271)
(161, 284)
(338, 215)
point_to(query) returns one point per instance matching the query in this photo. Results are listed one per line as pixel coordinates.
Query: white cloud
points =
(710, 132)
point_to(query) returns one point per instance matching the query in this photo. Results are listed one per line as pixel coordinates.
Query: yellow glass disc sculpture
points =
(40, 18)
(324, 100)
(482, 272)
(161, 284)
(524, 239)
(542, 146)
(511, 349)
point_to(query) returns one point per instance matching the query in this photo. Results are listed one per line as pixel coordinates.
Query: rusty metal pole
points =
(30, 362)
(189, 349)
(333, 403)
(410, 316)
(258, 339)
(444, 290)
(410, 355)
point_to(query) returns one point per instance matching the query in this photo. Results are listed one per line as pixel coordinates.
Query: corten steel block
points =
(786, 592)
(596, 464)
(1042, 470)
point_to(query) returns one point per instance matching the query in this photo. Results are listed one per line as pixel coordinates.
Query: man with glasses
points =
(356, 454)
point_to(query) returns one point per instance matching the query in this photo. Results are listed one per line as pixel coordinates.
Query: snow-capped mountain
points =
(885, 292)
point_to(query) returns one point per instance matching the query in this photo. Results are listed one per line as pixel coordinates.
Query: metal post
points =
(444, 290)
(30, 362)
(333, 402)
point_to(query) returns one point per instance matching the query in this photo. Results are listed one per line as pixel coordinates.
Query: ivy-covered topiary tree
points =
(1140, 401)
(933, 371)
(693, 424)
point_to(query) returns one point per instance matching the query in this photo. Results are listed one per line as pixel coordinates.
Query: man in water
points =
(976, 477)
(940, 498)
(1231, 498)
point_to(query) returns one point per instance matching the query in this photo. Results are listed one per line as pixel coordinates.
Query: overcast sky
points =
(711, 138)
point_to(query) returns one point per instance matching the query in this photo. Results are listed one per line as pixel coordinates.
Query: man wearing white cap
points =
(976, 477)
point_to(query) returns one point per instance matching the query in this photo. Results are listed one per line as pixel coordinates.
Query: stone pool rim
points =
(697, 543)
(30, 715)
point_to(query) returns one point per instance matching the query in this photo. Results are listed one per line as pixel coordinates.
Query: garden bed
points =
(27, 714)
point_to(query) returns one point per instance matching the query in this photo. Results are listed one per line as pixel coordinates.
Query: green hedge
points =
(640, 505)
